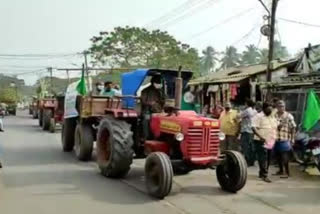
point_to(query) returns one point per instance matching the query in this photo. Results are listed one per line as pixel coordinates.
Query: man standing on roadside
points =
(247, 132)
(230, 127)
(285, 137)
(265, 128)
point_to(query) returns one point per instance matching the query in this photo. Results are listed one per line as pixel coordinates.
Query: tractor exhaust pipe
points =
(178, 91)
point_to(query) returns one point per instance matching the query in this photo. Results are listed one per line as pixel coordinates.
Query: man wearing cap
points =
(285, 137)
(229, 125)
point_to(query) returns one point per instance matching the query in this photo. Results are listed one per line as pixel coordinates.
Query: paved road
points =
(39, 178)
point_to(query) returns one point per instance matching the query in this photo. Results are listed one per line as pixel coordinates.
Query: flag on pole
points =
(81, 87)
(312, 112)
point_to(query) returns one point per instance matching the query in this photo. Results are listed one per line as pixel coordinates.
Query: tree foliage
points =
(138, 47)
(230, 58)
(208, 60)
(8, 95)
(279, 52)
(251, 55)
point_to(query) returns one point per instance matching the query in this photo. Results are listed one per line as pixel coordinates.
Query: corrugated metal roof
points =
(236, 74)
(233, 74)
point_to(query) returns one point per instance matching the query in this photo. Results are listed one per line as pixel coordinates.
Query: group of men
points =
(264, 133)
(107, 89)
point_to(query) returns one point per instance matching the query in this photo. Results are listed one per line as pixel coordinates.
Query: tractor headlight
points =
(179, 137)
(222, 136)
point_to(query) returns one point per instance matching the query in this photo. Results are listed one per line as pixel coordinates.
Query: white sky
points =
(65, 26)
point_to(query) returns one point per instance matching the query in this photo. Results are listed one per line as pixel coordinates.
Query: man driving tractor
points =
(152, 98)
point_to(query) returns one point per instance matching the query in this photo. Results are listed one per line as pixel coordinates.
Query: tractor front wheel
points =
(67, 134)
(232, 174)
(114, 147)
(47, 114)
(159, 174)
(83, 142)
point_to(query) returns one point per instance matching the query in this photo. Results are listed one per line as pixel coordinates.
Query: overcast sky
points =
(65, 26)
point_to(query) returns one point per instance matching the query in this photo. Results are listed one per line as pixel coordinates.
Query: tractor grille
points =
(202, 141)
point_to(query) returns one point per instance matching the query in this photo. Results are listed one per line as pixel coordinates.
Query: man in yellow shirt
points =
(229, 125)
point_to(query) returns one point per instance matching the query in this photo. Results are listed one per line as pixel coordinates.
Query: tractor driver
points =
(152, 101)
(152, 98)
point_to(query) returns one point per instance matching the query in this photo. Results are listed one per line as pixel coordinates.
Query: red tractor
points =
(51, 112)
(178, 142)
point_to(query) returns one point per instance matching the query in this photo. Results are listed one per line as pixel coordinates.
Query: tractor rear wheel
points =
(83, 142)
(114, 147)
(52, 127)
(159, 174)
(47, 114)
(67, 134)
(40, 117)
(232, 175)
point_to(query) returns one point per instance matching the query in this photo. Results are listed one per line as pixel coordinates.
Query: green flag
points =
(81, 87)
(312, 112)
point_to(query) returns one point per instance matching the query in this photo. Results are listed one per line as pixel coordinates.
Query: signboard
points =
(170, 126)
(70, 110)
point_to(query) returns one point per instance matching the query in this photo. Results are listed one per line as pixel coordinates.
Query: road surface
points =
(39, 178)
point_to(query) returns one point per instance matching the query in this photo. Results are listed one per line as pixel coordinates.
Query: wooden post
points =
(253, 88)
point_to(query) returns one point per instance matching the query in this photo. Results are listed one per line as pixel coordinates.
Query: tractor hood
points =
(162, 123)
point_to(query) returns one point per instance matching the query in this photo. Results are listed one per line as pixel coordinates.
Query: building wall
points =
(276, 75)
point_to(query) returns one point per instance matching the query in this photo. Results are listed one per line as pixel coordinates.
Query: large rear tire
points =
(40, 117)
(47, 114)
(84, 142)
(232, 175)
(67, 134)
(114, 147)
(159, 174)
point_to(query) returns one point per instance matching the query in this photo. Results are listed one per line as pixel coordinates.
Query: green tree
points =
(279, 52)
(138, 47)
(208, 60)
(251, 55)
(231, 57)
(263, 55)
(8, 95)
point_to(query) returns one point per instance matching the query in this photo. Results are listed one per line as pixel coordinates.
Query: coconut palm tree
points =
(208, 60)
(251, 55)
(231, 57)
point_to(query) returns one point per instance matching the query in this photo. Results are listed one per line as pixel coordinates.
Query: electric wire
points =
(172, 13)
(225, 21)
(298, 22)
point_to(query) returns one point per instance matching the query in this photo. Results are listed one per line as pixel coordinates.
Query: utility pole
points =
(270, 33)
(68, 76)
(271, 38)
(85, 53)
(51, 84)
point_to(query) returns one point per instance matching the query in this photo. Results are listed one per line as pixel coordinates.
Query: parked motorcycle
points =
(306, 150)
